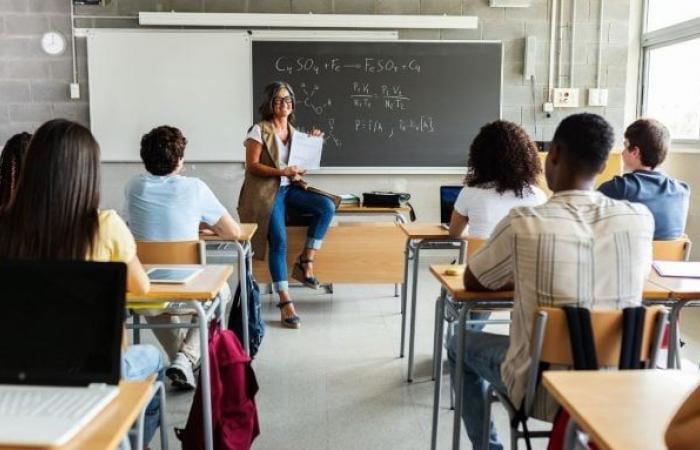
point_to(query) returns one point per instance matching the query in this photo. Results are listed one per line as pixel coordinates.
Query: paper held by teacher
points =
(306, 151)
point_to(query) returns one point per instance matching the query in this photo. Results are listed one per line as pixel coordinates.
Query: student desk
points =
(396, 212)
(622, 410)
(420, 236)
(110, 426)
(683, 292)
(244, 255)
(454, 301)
(203, 288)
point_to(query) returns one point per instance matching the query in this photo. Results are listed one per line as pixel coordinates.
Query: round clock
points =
(53, 43)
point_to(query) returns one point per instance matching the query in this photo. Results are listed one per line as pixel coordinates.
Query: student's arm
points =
(683, 433)
(226, 228)
(253, 150)
(491, 268)
(136, 278)
(458, 223)
(614, 188)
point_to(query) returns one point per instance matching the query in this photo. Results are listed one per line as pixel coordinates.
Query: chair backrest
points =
(175, 252)
(675, 250)
(607, 335)
(473, 245)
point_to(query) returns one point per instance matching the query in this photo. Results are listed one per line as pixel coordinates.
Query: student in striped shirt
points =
(580, 248)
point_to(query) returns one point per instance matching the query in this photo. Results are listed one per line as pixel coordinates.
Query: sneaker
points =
(181, 373)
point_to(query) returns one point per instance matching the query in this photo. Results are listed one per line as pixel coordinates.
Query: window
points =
(662, 13)
(671, 67)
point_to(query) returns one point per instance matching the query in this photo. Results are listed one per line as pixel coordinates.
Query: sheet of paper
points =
(306, 151)
(678, 269)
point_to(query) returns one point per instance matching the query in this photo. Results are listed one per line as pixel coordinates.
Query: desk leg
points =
(674, 359)
(163, 417)
(462, 254)
(205, 379)
(412, 331)
(242, 272)
(459, 375)
(404, 289)
(437, 357)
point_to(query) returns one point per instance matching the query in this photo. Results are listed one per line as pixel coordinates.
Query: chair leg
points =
(136, 331)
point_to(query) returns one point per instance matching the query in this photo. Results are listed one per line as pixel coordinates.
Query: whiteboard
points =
(197, 81)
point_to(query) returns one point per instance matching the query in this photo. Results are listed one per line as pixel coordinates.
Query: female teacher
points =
(268, 191)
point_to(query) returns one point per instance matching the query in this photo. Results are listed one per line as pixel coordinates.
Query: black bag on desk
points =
(381, 199)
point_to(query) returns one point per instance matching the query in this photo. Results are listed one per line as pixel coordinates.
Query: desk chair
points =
(675, 250)
(166, 252)
(551, 344)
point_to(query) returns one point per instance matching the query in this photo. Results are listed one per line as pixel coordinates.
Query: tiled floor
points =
(338, 383)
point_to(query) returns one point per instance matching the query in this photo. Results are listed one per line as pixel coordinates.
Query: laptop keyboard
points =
(32, 402)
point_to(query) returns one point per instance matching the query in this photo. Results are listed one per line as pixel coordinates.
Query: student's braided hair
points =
(503, 156)
(11, 164)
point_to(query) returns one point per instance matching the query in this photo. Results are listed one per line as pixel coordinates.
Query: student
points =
(163, 205)
(683, 433)
(504, 167)
(579, 248)
(11, 164)
(645, 147)
(54, 216)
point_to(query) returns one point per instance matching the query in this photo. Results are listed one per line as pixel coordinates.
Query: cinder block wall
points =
(34, 86)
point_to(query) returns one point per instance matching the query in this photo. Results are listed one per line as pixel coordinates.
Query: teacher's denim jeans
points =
(319, 206)
(483, 355)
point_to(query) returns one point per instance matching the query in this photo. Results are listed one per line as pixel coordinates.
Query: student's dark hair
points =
(504, 156)
(162, 148)
(585, 141)
(11, 165)
(54, 212)
(266, 109)
(652, 138)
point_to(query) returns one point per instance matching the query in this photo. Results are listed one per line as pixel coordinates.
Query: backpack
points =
(233, 388)
(256, 324)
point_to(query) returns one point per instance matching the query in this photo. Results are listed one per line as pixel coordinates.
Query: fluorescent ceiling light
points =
(307, 20)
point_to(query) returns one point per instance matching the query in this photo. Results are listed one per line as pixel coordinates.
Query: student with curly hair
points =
(10, 165)
(503, 169)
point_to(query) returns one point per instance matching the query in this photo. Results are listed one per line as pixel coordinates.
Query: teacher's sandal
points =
(292, 321)
(298, 274)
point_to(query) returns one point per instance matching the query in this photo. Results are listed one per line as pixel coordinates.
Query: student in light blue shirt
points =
(166, 206)
(646, 145)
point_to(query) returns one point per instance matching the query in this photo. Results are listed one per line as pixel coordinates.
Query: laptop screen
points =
(61, 322)
(448, 196)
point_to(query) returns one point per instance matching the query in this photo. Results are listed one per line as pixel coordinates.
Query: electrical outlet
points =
(565, 98)
(74, 91)
(597, 97)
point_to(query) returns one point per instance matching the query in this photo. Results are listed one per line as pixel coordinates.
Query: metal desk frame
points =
(412, 252)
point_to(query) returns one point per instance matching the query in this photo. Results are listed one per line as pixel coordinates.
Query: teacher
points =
(268, 190)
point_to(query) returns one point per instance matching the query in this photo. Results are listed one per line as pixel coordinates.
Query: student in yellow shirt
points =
(54, 216)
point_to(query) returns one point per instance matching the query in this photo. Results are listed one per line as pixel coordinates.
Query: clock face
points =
(53, 43)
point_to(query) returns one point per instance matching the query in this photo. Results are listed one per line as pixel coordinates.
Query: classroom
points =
(350, 224)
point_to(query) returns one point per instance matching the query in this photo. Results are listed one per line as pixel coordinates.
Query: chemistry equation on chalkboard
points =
(306, 64)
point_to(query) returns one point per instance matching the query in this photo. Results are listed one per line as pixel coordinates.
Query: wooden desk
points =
(453, 289)
(110, 426)
(420, 236)
(204, 287)
(622, 410)
(247, 232)
(397, 213)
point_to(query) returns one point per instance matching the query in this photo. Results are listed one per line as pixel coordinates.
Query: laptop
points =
(448, 197)
(60, 361)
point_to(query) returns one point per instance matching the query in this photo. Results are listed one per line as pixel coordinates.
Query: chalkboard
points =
(387, 104)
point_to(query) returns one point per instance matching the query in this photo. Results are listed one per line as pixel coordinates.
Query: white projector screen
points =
(198, 81)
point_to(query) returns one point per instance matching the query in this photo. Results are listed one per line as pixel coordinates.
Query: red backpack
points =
(233, 388)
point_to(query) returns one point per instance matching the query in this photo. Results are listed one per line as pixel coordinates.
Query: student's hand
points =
(316, 132)
(206, 232)
(292, 171)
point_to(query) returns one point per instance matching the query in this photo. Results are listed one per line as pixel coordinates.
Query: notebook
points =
(62, 326)
(677, 269)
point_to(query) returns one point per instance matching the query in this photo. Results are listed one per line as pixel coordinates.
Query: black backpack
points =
(256, 325)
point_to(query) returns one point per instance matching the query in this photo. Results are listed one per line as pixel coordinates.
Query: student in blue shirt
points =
(163, 205)
(646, 145)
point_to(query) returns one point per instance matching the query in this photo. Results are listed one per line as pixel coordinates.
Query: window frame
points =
(652, 40)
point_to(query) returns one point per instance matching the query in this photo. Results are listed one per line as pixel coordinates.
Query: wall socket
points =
(597, 97)
(565, 98)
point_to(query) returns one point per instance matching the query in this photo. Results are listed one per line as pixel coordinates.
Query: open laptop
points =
(61, 328)
(448, 197)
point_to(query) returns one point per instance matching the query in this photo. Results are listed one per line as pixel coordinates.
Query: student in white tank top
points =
(503, 171)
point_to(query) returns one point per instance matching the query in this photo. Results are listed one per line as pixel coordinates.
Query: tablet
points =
(172, 275)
